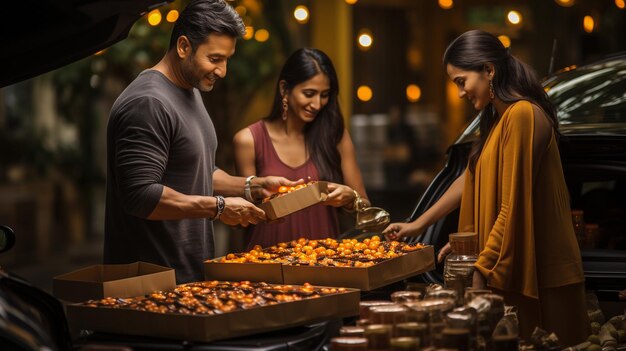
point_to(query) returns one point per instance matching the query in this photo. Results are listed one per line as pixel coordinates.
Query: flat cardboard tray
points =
(208, 328)
(363, 278)
(289, 203)
(113, 280)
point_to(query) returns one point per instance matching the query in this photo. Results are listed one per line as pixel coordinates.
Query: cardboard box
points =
(271, 273)
(115, 280)
(364, 278)
(214, 327)
(291, 202)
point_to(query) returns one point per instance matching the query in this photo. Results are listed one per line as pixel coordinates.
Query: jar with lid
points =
(458, 268)
(348, 343)
(405, 343)
(406, 296)
(349, 330)
(378, 336)
(388, 314)
(412, 329)
(364, 307)
(433, 312)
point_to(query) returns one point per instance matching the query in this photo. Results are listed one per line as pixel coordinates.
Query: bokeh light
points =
(505, 40)
(301, 14)
(446, 4)
(364, 93)
(172, 16)
(514, 17)
(413, 92)
(261, 35)
(154, 17)
(588, 24)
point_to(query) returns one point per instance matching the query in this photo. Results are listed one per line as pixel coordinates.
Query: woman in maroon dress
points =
(303, 138)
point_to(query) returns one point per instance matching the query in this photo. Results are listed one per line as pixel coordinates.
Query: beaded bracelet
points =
(221, 205)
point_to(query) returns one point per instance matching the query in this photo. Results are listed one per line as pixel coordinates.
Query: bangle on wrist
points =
(356, 204)
(247, 194)
(220, 205)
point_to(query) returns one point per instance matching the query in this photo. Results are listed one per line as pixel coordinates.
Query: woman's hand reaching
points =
(445, 251)
(397, 231)
(339, 195)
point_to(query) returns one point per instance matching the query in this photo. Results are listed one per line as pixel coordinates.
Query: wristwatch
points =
(247, 194)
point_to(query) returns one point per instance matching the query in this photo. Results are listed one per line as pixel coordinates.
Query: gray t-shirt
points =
(158, 134)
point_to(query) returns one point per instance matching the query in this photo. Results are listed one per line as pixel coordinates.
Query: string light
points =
(505, 40)
(249, 34)
(364, 93)
(301, 14)
(588, 24)
(446, 4)
(413, 92)
(261, 35)
(514, 17)
(172, 16)
(565, 3)
(154, 17)
(365, 39)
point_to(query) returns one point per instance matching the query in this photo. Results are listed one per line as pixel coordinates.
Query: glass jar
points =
(405, 343)
(406, 296)
(412, 329)
(345, 343)
(349, 330)
(364, 307)
(388, 314)
(455, 338)
(458, 268)
(378, 336)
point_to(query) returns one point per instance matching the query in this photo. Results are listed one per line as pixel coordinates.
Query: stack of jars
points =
(438, 320)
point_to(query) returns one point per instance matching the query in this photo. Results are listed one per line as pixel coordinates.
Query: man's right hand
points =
(238, 211)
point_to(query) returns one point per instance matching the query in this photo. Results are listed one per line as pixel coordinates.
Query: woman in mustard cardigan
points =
(513, 193)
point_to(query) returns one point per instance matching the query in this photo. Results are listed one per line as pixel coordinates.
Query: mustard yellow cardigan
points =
(525, 233)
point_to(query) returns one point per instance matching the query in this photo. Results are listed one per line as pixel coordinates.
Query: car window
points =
(591, 94)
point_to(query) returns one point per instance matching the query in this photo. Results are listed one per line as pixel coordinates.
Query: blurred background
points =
(400, 107)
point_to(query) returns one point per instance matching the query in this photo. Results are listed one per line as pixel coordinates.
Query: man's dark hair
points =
(203, 17)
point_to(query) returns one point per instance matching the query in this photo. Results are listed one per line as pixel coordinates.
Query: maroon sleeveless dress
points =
(315, 222)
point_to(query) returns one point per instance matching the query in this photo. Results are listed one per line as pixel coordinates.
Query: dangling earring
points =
(285, 107)
(491, 94)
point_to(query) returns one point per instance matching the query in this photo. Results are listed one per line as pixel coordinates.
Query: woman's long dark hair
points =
(323, 134)
(513, 80)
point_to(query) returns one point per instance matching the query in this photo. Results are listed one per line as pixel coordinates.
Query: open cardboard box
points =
(113, 280)
(218, 326)
(364, 278)
(297, 200)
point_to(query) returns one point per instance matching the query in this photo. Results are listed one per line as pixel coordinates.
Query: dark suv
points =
(591, 103)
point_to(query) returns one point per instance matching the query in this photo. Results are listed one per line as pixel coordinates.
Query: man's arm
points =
(227, 185)
(174, 205)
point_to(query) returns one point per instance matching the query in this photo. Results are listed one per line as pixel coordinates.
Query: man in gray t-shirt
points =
(161, 144)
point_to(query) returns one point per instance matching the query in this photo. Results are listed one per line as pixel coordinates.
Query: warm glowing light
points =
(565, 3)
(154, 17)
(249, 34)
(514, 17)
(261, 35)
(364, 93)
(301, 14)
(588, 24)
(172, 16)
(241, 10)
(620, 4)
(446, 4)
(365, 39)
(100, 52)
(505, 40)
(351, 2)
(413, 93)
